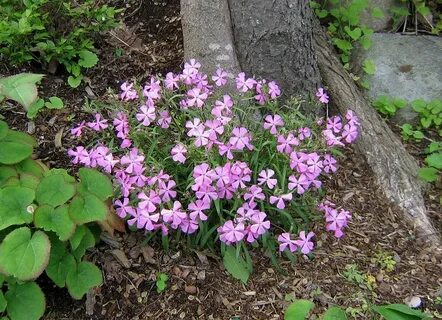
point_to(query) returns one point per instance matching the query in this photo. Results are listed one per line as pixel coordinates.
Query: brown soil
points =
(198, 287)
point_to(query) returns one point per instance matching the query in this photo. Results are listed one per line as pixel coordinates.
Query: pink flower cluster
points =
(201, 133)
(336, 220)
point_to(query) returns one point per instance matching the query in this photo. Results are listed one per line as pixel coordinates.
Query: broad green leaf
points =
(28, 181)
(63, 172)
(298, 310)
(23, 255)
(54, 103)
(366, 42)
(87, 208)
(355, 34)
(235, 266)
(92, 181)
(57, 220)
(87, 59)
(6, 172)
(13, 152)
(3, 129)
(418, 135)
(376, 12)
(344, 45)
(369, 66)
(428, 174)
(399, 312)
(34, 108)
(335, 313)
(25, 302)
(3, 302)
(54, 190)
(14, 206)
(20, 88)
(31, 166)
(435, 160)
(74, 82)
(418, 105)
(58, 269)
(82, 240)
(81, 279)
(426, 122)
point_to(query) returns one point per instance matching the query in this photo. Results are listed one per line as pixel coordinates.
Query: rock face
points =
(407, 67)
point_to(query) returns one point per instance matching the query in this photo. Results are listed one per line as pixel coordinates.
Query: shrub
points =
(46, 218)
(192, 160)
(53, 32)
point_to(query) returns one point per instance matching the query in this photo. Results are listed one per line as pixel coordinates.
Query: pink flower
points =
(189, 226)
(151, 90)
(196, 97)
(146, 220)
(285, 145)
(174, 216)
(304, 242)
(329, 163)
(179, 153)
(304, 133)
(77, 131)
(146, 115)
(334, 123)
(192, 66)
(99, 123)
(160, 177)
(274, 90)
(150, 202)
(166, 190)
(164, 119)
(193, 126)
(230, 233)
(259, 224)
(331, 139)
(123, 208)
(301, 184)
(203, 175)
(225, 150)
(352, 118)
(285, 242)
(240, 138)
(322, 95)
(108, 162)
(243, 84)
(196, 209)
(202, 136)
(271, 122)
(265, 177)
(128, 93)
(79, 155)
(280, 200)
(171, 81)
(132, 159)
(314, 164)
(254, 192)
(350, 133)
(220, 77)
(297, 161)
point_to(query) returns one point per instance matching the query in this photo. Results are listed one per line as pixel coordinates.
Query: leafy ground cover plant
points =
(54, 32)
(300, 309)
(46, 218)
(192, 161)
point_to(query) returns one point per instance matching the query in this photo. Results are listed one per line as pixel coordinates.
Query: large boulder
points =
(384, 23)
(407, 67)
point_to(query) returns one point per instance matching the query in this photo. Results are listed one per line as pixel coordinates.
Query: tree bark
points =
(273, 40)
(395, 170)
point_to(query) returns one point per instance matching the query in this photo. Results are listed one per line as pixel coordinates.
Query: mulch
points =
(198, 287)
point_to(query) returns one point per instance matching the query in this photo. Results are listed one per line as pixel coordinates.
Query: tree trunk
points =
(395, 170)
(273, 40)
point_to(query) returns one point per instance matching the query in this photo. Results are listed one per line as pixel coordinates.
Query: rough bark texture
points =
(207, 34)
(395, 170)
(273, 40)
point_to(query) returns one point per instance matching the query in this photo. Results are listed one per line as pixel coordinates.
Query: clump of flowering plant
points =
(190, 155)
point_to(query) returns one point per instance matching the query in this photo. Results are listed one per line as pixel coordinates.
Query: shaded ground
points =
(198, 287)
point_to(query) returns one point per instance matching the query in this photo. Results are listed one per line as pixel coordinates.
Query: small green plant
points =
(388, 106)
(46, 225)
(300, 310)
(352, 274)
(53, 32)
(161, 282)
(385, 261)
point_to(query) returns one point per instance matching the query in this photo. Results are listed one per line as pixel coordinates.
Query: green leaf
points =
(57, 220)
(14, 203)
(369, 66)
(419, 105)
(161, 282)
(418, 135)
(298, 310)
(15, 147)
(31, 166)
(3, 302)
(92, 181)
(54, 190)
(24, 256)
(87, 59)
(366, 42)
(82, 240)
(6, 172)
(355, 34)
(321, 13)
(35, 108)
(87, 208)
(428, 174)
(399, 312)
(335, 313)
(54, 103)
(376, 12)
(400, 103)
(25, 302)
(435, 160)
(81, 279)
(342, 44)
(21, 88)
(59, 267)
(234, 265)
(3, 129)
(74, 82)
(29, 181)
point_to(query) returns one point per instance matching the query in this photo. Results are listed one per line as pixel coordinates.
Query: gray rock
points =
(386, 22)
(407, 67)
